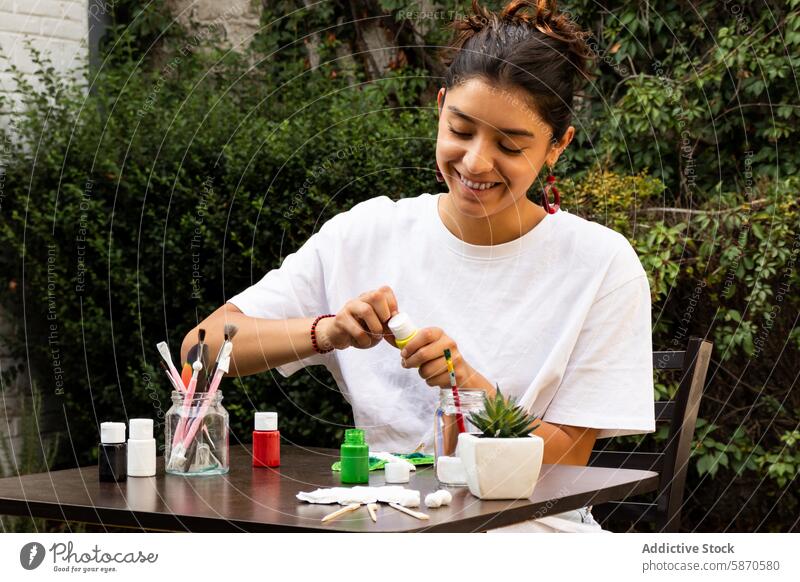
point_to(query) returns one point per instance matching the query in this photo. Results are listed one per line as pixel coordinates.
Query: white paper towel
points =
(348, 495)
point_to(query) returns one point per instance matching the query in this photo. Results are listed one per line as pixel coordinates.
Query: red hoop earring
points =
(439, 176)
(550, 185)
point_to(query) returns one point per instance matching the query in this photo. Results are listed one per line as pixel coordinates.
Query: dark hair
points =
(541, 51)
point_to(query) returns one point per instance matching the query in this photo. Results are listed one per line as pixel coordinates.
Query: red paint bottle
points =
(266, 440)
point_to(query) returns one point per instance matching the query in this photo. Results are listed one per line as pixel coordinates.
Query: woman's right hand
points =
(361, 323)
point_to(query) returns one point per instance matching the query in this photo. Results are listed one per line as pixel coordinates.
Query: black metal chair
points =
(672, 462)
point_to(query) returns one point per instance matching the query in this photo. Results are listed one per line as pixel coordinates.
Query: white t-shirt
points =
(559, 318)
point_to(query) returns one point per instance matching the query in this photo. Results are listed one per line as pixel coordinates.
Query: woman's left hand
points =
(426, 352)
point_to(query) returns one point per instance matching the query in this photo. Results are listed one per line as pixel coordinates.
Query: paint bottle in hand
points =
(266, 440)
(354, 454)
(112, 454)
(141, 448)
(402, 328)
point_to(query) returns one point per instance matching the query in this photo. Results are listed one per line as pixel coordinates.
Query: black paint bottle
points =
(113, 452)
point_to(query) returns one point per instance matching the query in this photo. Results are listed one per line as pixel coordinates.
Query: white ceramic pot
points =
(501, 468)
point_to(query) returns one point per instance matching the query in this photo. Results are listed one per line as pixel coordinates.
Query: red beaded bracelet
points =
(314, 334)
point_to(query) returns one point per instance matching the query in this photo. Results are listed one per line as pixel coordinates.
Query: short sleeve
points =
(296, 289)
(608, 381)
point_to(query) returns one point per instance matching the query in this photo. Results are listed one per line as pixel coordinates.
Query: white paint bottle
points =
(141, 448)
(402, 328)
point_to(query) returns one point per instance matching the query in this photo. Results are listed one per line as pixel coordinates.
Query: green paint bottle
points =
(354, 457)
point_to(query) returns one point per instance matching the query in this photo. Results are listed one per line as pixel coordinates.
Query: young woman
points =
(552, 308)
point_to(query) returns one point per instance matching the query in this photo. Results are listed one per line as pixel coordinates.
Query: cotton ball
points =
(438, 498)
(432, 500)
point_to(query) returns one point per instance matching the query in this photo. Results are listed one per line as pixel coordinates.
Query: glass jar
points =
(445, 428)
(202, 448)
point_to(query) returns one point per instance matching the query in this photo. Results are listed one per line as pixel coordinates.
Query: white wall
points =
(58, 28)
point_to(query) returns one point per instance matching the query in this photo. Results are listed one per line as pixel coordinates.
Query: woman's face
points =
(491, 146)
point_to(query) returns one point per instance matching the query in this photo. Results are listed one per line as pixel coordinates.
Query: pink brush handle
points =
(203, 409)
(176, 378)
(179, 430)
(171, 379)
(177, 386)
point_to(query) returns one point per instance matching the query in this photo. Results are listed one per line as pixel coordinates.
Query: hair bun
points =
(545, 17)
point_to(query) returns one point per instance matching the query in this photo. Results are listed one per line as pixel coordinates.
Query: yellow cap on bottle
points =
(402, 328)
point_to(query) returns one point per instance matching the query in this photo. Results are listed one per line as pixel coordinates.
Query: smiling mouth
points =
(476, 187)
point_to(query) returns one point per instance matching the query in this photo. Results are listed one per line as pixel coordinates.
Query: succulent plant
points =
(503, 418)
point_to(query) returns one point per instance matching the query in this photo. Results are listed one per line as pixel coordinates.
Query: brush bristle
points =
(201, 335)
(230, 331)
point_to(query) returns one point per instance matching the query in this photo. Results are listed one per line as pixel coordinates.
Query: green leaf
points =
(502, 417)
(704, 463)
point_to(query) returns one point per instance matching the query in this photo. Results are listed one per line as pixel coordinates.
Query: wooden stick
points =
(371, 508)
(417, 514)
(335, 514)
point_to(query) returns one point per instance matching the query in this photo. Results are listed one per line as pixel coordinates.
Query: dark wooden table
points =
(263, 500)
